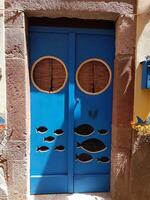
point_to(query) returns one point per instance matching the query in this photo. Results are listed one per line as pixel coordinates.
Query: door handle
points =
(76, 103)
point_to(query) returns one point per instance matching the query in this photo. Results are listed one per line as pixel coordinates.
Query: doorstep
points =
(76, 196)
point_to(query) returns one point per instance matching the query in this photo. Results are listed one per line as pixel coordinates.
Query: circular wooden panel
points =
(49, 74)
(93, 76)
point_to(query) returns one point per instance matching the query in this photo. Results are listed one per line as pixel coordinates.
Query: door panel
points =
(94, 110)
(56, 170)
(50, 111)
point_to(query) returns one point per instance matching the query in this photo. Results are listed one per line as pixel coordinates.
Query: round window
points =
(49, 74)
(93, 76)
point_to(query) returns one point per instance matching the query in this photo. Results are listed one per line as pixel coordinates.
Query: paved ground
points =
(93, 196)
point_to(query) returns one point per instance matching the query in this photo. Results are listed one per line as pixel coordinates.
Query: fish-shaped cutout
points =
(92, 145)
(43, 149)
(84, 158)
(103, 159)
(42, 129)
(49, 139)
(59, 132)
(84, 130)
(59, 148)
(103, 131)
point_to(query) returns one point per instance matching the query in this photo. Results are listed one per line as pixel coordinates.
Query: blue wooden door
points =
(70, 119)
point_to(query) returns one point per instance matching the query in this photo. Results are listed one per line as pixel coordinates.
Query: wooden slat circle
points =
(49, 74)
(93, 76)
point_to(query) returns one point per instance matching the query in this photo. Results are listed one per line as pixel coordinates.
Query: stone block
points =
(17, 197)
(15, 42)
(126, 35)
(17, 175)
(120, 171)
(16, 84)
(123, 91)
(16, 150)
(122, 137)
(17, 179)
(39, 4)
(14, 19)
(81, 9)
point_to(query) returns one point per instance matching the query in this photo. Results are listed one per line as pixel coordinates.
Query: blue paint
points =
(59, 172)
(145, 83)
(148, 77)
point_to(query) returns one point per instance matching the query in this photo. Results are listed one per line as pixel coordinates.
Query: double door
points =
(71, 73)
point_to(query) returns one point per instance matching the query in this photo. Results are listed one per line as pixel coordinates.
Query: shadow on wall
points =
(141, 95)
(143, 19)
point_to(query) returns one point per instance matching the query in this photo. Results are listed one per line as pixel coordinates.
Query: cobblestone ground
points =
(93, 196)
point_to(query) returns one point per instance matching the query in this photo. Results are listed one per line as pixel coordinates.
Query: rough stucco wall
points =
(142, 97)
(3, 134)
(17, 151)
(140, 163)
(2, 63)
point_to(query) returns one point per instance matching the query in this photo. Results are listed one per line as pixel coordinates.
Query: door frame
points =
(18, 94)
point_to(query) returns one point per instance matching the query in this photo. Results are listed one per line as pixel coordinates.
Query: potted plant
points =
(142, 129)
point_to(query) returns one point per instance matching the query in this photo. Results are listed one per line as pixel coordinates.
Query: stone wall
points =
(3, 133)
(2, 63)
(18, 119)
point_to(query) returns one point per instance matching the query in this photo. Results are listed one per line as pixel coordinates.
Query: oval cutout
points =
(103, 131)
(41, 129)
(84, 130)
(92, 145)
